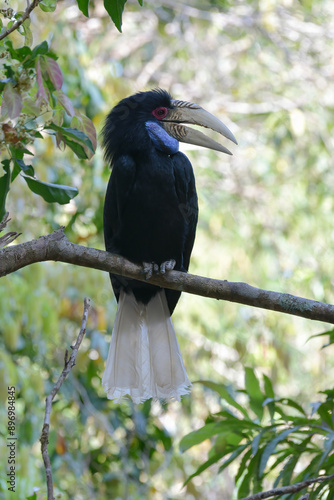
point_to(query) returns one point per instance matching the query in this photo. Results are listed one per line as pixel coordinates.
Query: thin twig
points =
(68, 365)
(20, 21)
(8, 237)
(56, 247)
(4, 221)
(292, 488)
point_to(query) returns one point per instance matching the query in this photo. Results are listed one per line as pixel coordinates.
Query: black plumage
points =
(151, 209)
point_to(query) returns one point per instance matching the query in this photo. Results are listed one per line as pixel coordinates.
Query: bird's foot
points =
(150, 268)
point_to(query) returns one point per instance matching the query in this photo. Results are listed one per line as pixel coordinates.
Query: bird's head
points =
(154, 117)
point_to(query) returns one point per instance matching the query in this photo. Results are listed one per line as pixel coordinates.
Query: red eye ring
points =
(160, 113)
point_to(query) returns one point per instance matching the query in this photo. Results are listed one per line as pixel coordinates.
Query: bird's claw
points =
(168, 265)
(150, 268)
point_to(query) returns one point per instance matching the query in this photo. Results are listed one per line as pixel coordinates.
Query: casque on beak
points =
(188, 112)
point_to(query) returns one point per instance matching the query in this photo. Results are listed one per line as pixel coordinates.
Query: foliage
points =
(113, 7)
(265, 218)
(269, 437)
(31, 82)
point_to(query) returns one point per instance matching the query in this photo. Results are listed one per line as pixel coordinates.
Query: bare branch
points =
(56, 247)
(68, 365)
(17, 24)
(293, 488)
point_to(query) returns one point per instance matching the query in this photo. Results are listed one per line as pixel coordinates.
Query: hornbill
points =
(150, 217)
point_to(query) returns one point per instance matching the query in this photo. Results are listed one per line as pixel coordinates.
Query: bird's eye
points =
(160, 112)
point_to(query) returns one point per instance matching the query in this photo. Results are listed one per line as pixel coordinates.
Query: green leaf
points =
(288, 469)
(214, 459)
(254, 392)
(242, 465)
(23, 53)
(27, 169)
(115, 10)
(252, 384)
(251, 476)
(48, 5)
(268, 388)
(224, 393)
(281, 458)
(196, 437)
(18, 15)
(52, 193)
(73, 133)
(328, 448)
(271, 446)
(19, 152)
(330, 495)
(85, 124)
(292, 404)
(15, 172)
(77, 149)
(315, 493)
(325, 410)
(83, 6)
(233, 422)
(270, 399)
(256, 441)
(331, 337)
(32, 497)
(233, 456)
(311, 470)
(40, 49)
(226, 441)
(18, 54)
(28, 37)
(4, 187)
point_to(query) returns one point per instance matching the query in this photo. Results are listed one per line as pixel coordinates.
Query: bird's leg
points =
(150, 268)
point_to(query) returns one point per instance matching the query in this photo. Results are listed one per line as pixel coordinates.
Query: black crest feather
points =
(124, 129)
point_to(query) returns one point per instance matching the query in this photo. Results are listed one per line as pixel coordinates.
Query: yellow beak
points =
(188, 112)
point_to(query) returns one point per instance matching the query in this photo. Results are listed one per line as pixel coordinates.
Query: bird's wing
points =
(186, 193)
(119, 188)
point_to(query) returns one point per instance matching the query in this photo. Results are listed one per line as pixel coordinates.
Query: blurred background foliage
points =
(265, 68)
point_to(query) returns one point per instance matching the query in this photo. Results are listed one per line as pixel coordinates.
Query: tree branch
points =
(56, 247)
(293, 488)
(68, 365)
(20, 21)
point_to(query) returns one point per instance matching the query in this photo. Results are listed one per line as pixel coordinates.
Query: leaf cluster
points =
(33, 105)
(113, 7)
(268, 437)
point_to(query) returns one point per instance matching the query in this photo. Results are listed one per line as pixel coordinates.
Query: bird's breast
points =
(153, 225)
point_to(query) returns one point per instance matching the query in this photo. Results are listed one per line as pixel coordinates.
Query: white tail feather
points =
(144, 359)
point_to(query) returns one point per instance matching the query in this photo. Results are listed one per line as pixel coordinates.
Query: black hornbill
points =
(150, 217)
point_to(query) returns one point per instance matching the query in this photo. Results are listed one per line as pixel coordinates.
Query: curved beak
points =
(188, 112)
